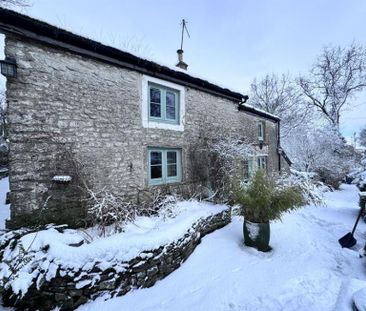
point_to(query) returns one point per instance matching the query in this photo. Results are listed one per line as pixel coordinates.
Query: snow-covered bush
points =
(311, 189)
(216, 161)
(110, 213)
(359, 179)
(322, 150)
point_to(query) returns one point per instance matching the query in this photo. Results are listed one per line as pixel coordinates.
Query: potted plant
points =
(262, 200)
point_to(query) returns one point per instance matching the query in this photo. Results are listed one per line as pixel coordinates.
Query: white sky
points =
(231, 41)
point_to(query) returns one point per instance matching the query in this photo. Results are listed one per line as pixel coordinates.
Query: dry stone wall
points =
(69, 289)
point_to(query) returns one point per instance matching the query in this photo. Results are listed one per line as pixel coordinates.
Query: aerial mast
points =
(181, 63)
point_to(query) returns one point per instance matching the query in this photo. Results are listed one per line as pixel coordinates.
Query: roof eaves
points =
(13, 22)
(256, 111)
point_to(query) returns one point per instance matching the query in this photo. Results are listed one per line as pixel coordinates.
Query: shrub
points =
(263, 199)
(311, 189)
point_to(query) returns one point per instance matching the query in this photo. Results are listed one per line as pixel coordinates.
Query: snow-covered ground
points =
(307, 269)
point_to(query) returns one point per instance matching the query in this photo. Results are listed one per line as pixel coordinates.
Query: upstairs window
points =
(163, 104)
(164, 166)
(261, 131)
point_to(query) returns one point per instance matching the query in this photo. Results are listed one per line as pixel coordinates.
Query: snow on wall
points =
(59, 272)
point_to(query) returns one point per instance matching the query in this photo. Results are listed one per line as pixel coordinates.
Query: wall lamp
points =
(9, 67)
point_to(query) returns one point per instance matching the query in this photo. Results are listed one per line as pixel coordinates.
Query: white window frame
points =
(145, 105)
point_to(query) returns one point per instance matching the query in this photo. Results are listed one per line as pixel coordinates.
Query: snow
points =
(62, 178)
(307, 269)
(144, 234)
(359, 299)
(260, 110)
(253, 230)
(4, 209)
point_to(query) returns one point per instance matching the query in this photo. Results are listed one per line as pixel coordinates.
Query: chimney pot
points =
(181, 64)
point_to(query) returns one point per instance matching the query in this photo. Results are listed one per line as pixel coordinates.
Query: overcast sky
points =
(231, 41)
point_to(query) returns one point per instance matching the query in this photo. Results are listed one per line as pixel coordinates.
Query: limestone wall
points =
(64, 101)
(70, 288)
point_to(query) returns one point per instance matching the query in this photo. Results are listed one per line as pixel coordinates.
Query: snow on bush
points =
(110, 213)
(359, 179)
(311, 189)
(223, 157)
(322, 150)
(29, 257)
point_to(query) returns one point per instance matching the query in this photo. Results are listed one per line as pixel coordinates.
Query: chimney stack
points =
(181, 64)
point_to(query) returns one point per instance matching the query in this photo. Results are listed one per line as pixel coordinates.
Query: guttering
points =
(279, 146)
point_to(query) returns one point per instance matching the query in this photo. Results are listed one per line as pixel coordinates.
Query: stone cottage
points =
(130, 123)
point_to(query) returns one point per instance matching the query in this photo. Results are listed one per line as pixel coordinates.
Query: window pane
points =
(260, 135)
(170, 105)
(155, 158)
(155, 95)
(250, 167)
(156, 171)
(172, 170)
(155, 110)
(172, 157)
(246, 169)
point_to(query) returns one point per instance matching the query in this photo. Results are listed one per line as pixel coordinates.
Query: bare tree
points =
(14, 3)
(336, 76)
(320, 148)
(362, 137)
(279, 95)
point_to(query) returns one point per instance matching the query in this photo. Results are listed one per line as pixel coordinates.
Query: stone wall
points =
(61, 101)
(70, 289)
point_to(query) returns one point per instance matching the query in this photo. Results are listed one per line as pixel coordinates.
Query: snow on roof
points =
(260, 111)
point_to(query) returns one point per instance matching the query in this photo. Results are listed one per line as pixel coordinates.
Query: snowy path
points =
(307, 269)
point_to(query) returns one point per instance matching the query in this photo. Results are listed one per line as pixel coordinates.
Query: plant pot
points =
(257, 235)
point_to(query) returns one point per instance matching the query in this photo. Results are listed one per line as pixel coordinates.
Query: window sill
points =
(173, 183)
(163, 125)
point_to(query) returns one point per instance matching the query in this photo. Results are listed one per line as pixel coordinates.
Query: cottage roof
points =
(25, 26)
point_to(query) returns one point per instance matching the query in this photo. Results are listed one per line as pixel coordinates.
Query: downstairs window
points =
(165, 166)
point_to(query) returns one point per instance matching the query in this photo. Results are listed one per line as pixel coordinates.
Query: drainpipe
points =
(279, 146)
